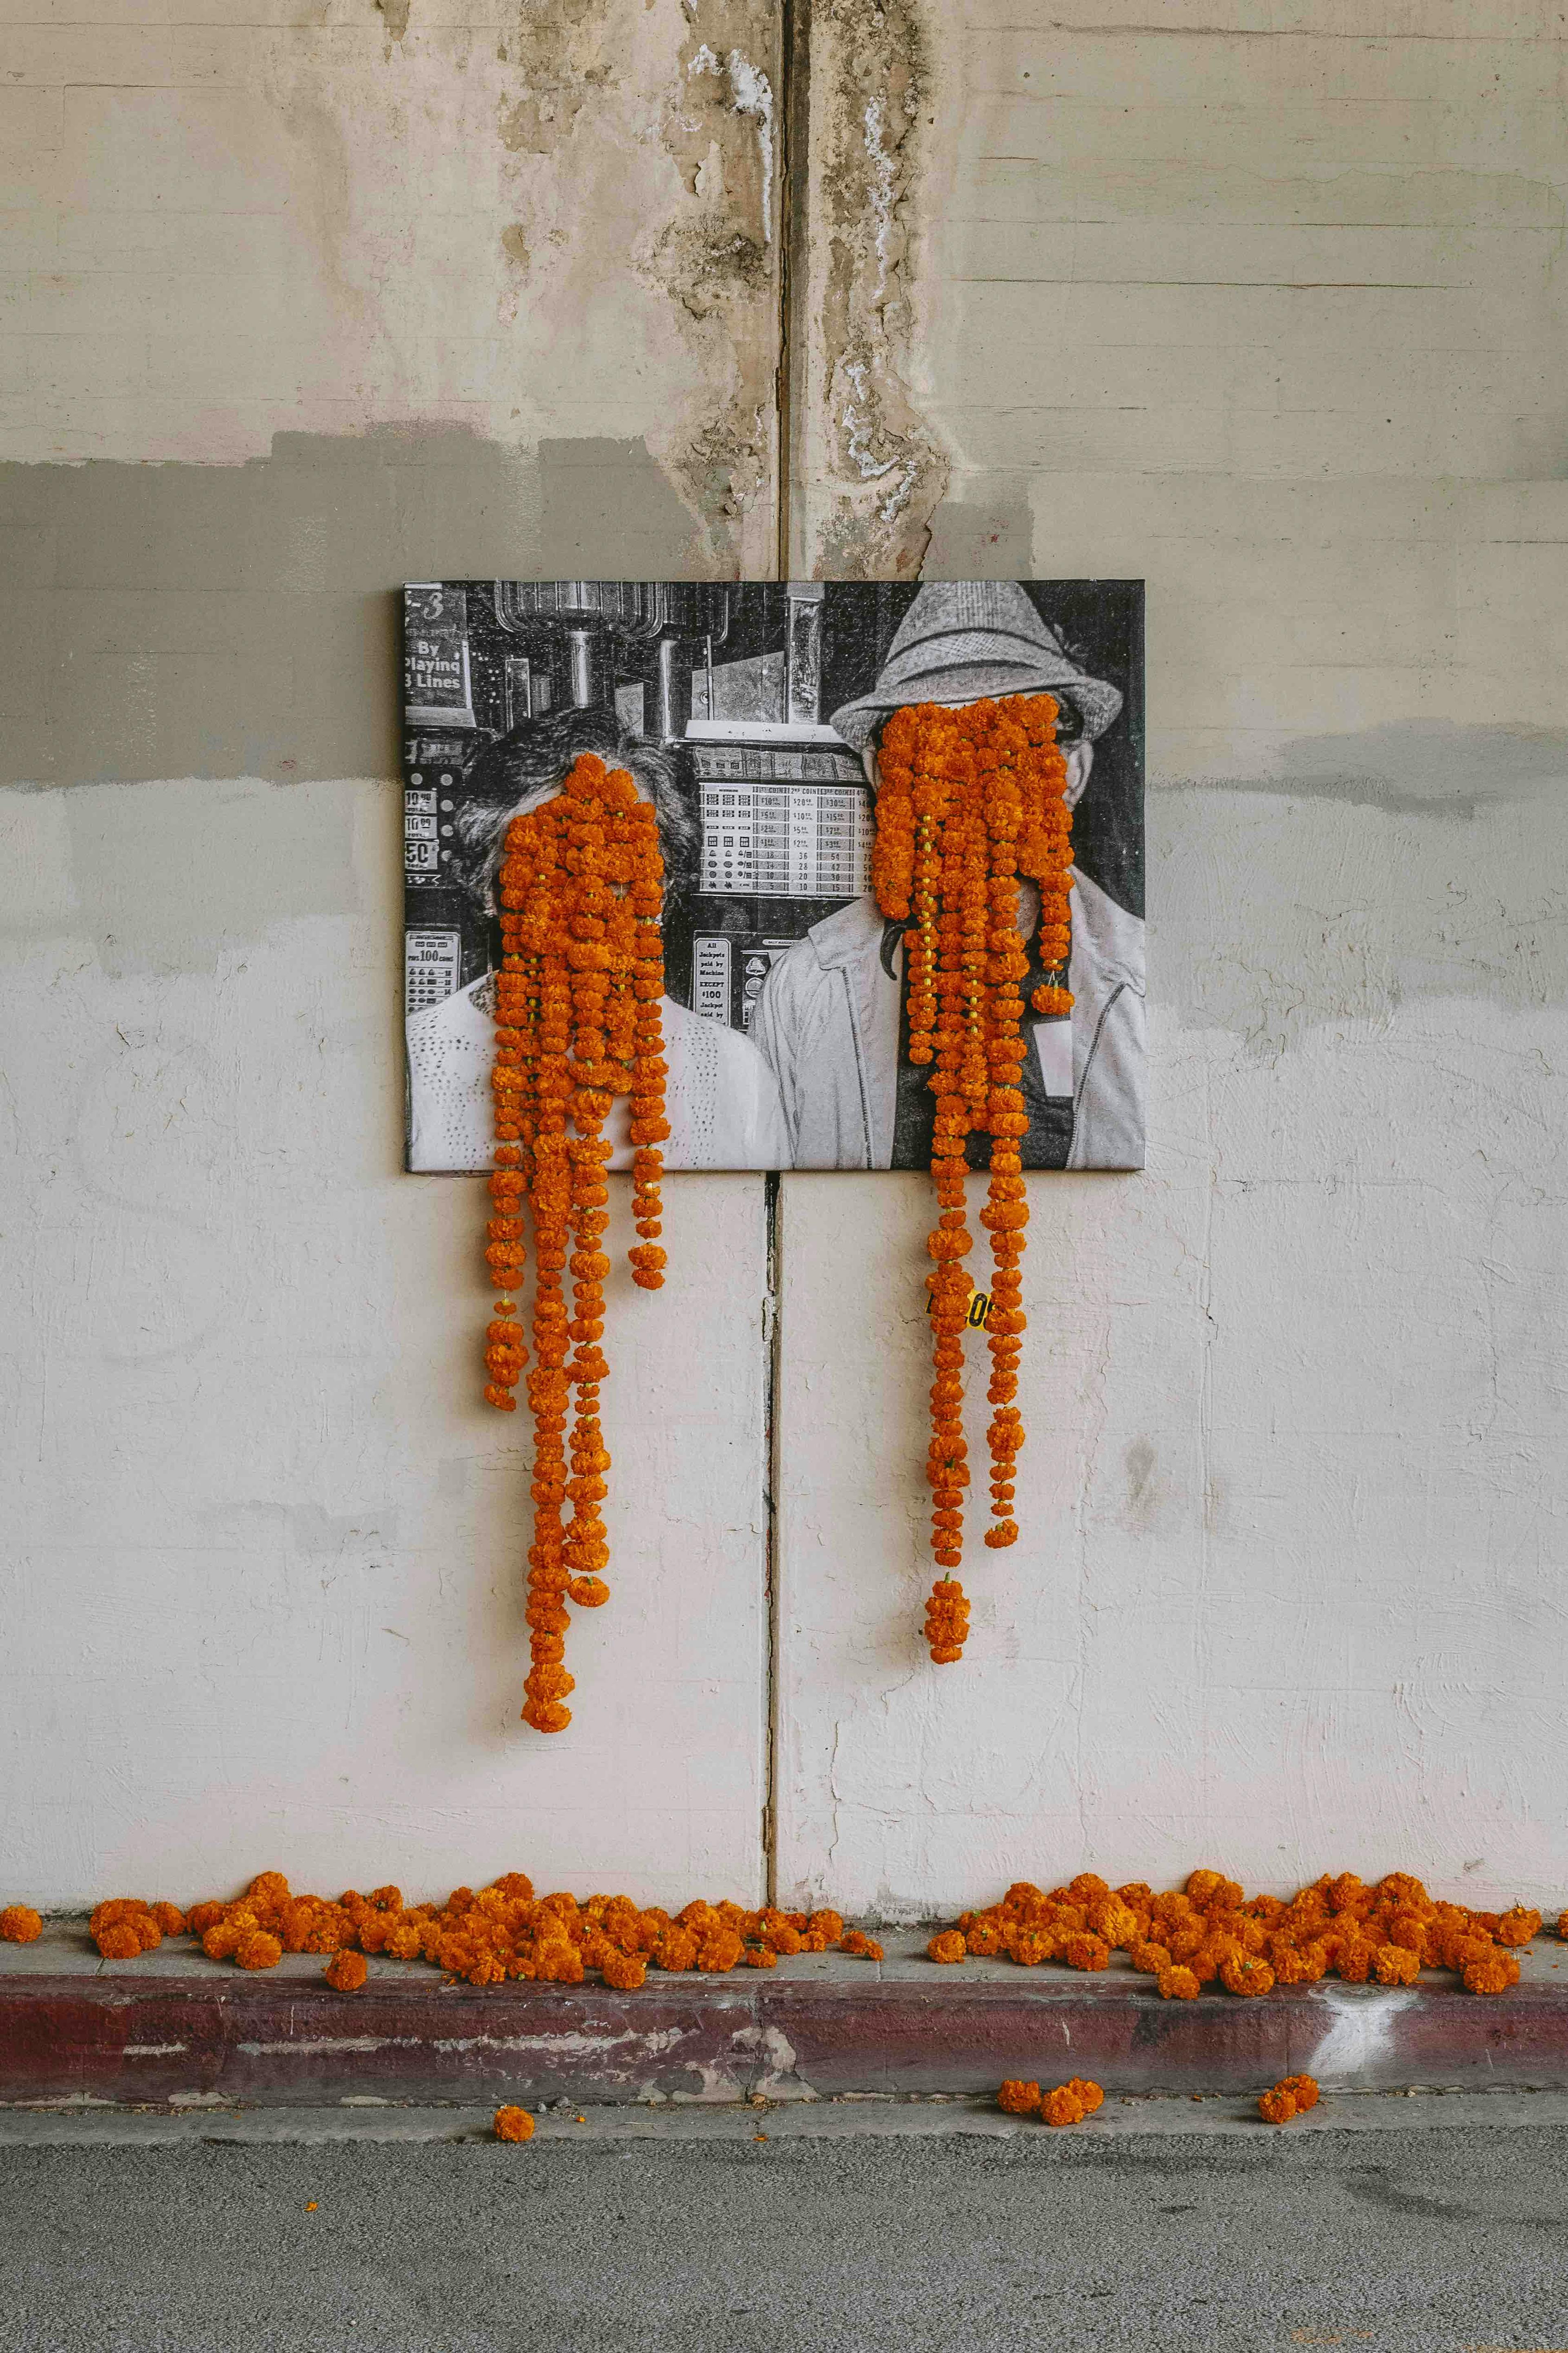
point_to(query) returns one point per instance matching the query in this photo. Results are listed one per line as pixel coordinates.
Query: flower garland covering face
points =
(577, 1023)
(968, 801)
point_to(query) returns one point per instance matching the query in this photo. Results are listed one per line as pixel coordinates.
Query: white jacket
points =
(720, 1098)
(828, 1019)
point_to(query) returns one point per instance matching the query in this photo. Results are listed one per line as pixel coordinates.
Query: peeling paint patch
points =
(572, 2045)
(886, 471)
(717, 256)
(320, 2046)
(396, 14)
(564, 57)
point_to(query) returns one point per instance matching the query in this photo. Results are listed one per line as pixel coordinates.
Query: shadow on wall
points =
(183, 620)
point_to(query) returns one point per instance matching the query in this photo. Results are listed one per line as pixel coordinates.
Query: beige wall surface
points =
(1262, 305)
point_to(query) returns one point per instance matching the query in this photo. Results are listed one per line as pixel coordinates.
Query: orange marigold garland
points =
(968, 801)
(578, 1023)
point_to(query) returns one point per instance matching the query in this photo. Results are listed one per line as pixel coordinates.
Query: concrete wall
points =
(1262, 306)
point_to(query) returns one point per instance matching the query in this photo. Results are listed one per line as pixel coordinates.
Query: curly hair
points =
(533, 761)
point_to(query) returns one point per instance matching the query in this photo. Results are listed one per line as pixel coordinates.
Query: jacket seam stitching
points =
(860, 1071)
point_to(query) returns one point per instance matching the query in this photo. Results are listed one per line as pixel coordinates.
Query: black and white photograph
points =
(752, 715)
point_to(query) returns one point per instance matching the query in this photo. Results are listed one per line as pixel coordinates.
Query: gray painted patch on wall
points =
(174, 620)
(1431, 766)
(1275, 908)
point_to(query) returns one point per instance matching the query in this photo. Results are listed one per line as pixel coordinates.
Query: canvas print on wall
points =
(756, 717)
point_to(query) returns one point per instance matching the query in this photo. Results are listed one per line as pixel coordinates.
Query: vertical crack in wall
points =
(719, 258)
(875, 472)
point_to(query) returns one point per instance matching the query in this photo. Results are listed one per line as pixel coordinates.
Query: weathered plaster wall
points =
(1263, 305)
(1267, 308)
(303, 304)
(263, 1594)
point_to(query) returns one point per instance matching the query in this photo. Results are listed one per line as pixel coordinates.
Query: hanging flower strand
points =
(577, 1025)
(968, 801)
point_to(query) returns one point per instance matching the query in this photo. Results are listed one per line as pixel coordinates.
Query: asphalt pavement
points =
(1452, 2238)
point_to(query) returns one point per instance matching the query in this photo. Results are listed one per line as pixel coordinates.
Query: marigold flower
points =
(578, 1025)
(624, 1971)
(257, 1949)
(1302, 2089)
(1083, 1950)
(1517, 1925)
(947, 1946)
(1395, 1965)
(346, 1971)
(20, 1924)
(1177, 1984)
(1494, 1975)
(1278, 2106)
(866, 1947)
(1063, 2106)
(1244, 1973)
(513, 2123)
(969, 801)
(1018, 2098)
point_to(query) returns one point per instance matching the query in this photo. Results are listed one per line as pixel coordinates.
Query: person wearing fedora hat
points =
(831, 1018)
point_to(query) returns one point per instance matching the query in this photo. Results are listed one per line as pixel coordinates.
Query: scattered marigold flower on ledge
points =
(1210, 1932)
(1494, 1975)
(1177, 1984)
(948, 1945)
(513, 2123)
(258, 1950)
(1303, 2089)
(124, 1928)
(346, 1973)
(20, 1924)
(863, 1947)
(1244, 1973)
(1018, 2098)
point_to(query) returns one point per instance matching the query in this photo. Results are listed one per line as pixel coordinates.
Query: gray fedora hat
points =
(963, 640)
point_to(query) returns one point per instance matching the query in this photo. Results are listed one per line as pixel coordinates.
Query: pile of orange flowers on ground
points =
(1292, 2096)
(1211, 1933)
(967, 802)
(485, 1937)
(578, 1023)
(1068, 2104)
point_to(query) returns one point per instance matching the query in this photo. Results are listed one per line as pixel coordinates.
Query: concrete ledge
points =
(178, 2030)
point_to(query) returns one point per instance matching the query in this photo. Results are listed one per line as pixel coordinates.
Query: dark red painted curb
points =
(150, 2039)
